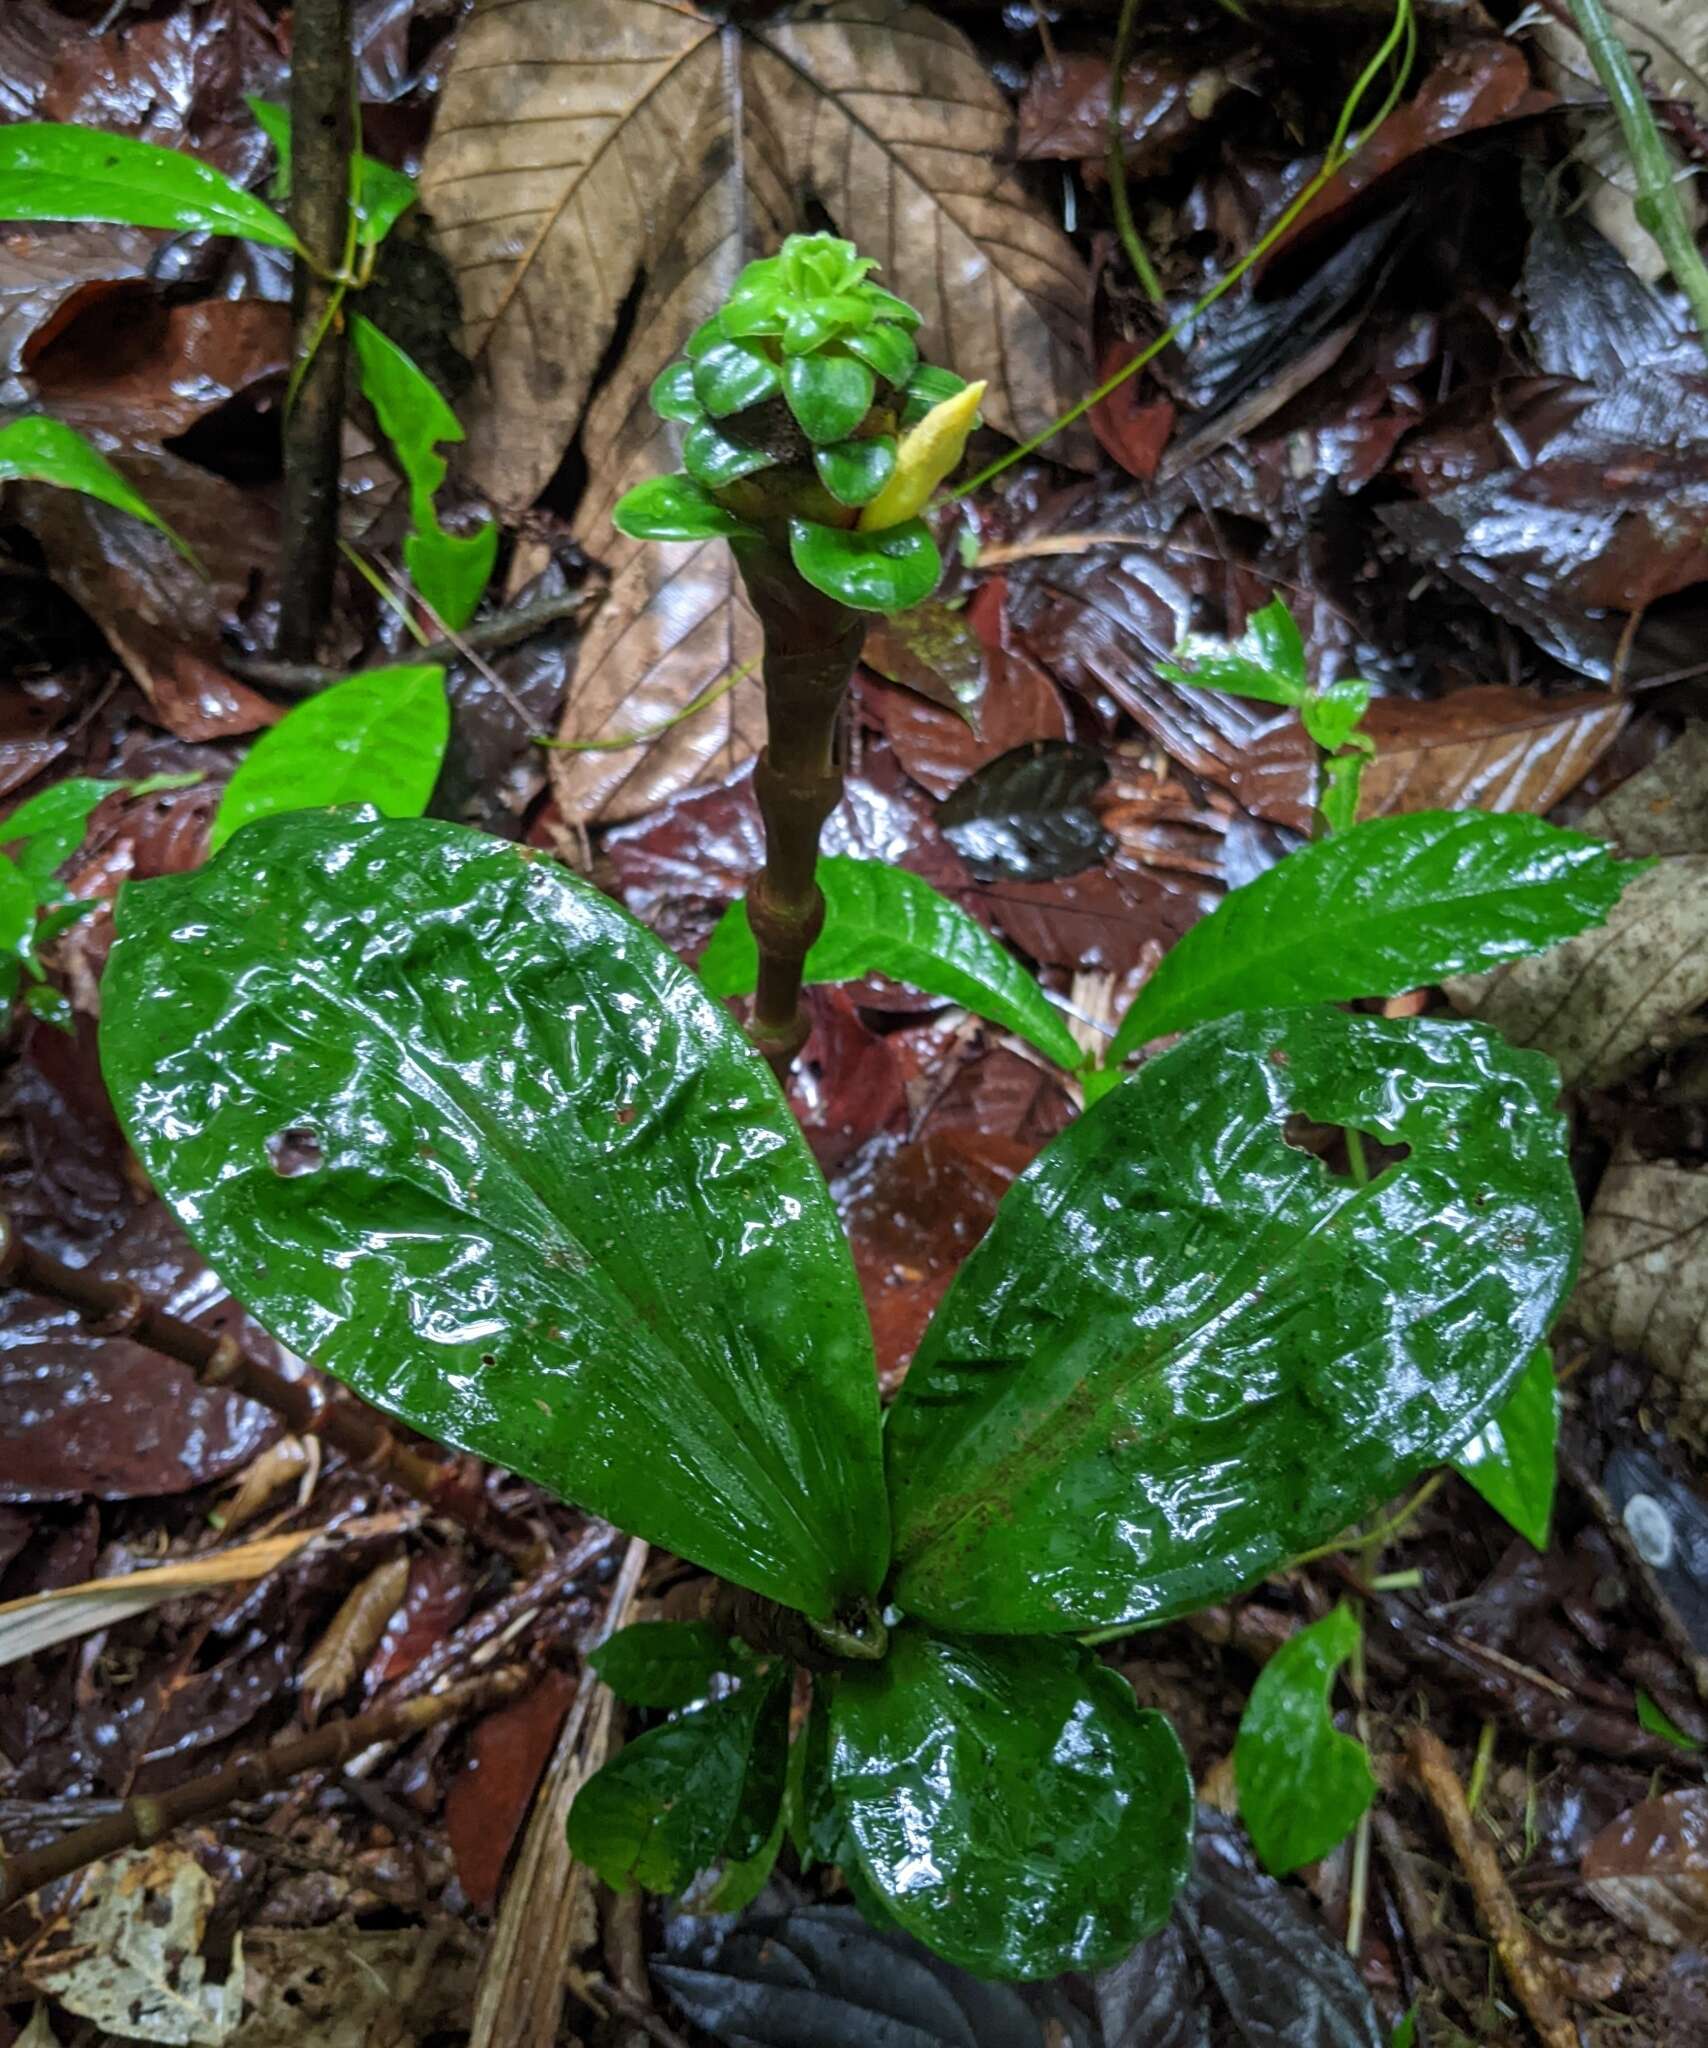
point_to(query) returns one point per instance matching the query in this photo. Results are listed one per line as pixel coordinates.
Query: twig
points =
(148, 1816)
(321, 126)
(493, 636)
(1116, 160)
(630, 2008)
(117, 1308)
(1530, 1972)
(1658, 206)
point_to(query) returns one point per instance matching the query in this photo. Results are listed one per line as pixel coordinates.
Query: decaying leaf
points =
(1603, 1004)
(292, 1460)
(354, 1631)
(1649, 1868)
(557, 191)
(1493, 747)
(1644, 1286)
(132, 1959)
(350, 1987)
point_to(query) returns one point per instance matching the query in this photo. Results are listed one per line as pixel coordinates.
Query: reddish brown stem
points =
(149, 1816)
(117, 1308)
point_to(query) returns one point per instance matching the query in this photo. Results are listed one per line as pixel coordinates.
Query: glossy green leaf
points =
(50, 826)
(828, 395)
(1267, 661)
(674, 508)
(51, 1005)
(761, 1803)
(672, 394)
(382, 196)
(1302, 1784)
(812, 323)
(704, 337)
(45, 451)
(731, 1885)
(1342, 776)
(854, 472)
(661, 1810)
(378, 738)
(732, 375)
(449, 570)
(928, 387)
(1513, 1460)
(883, 920)
(55, 171)
(887, 348)
(1653, 1717)
(1330, 716)
(665, 1663)
(1012, 1804)
(1381, 908)
(18, 904)
(712, 458)
(1185, 1351)
(460, 1131)
(870, 572)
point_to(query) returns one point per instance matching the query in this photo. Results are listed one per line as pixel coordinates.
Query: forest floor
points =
(1446, 420)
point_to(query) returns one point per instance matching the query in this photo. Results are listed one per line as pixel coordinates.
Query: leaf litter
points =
(1447, 421)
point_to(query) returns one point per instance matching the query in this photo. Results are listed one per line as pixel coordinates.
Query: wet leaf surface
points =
(487, 1803)
(1027, 815)
(1649, 1868)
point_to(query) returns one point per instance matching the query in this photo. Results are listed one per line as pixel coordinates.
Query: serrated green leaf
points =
(887, 348)
(665, 1663)
(732, 375)
(674, 508)
(672, 394)
(1185, 1351)
(829, 395)
(883, 920)
(1383, 907)
(870, 572)
(378, 738)
(555, 1209)
(47, 451)
(1302, 1784)
(51, 170)
(51, 825)
(382, 195)
(1011, 1803)
(1513, 1460)
(449, 570)
(854, 472)
(661, 1810)
(1267, 661)
(712, 458)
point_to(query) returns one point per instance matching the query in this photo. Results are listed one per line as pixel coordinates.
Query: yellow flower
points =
(925, 456)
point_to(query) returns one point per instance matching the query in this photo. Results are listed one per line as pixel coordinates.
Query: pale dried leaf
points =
(289, 1461)
(39, 2033)
(1644, 1285)
(1622, 993)
(37, 1622)
(1649, 1868)
(335, 1986)
(132, 1961)
(354, 1634)
(1491, 748)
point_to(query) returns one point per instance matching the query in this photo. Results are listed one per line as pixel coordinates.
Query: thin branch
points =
(148, 1817)
(117, 1308)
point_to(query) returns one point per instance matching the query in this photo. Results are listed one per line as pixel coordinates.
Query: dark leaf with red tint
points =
(933, 650)
(488, 1803)
(1064, 111)
(848, 1083)
(1027, 816)
(1134, 423)
(1108, 919)
(440, 1591)
(1649, 1868)
(49, 274)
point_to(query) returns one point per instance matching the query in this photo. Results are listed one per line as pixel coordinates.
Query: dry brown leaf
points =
(1649, 1868)
(1617, 996)
(37, 1622)
(1491, 748)
(578, 153)
(133, 1961)
(1644, 1286)
(351, 1987)
(351, 1639)
(291, 1459)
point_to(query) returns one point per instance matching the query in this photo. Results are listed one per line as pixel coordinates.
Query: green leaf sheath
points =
(882, 920)
(460, 1131)
(1378, 909)
(377, 738)
(49, 452)
(1513, 1460)
(1185, 1351)
(55, 171)
(1013, 1805)
(1302, 1784)
(664, 1663)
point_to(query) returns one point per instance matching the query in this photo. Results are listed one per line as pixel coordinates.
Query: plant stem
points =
(1658, 206)
(149, 1816)
(1116, 161)
(322, 102)
(811, 646)
(116, 1308)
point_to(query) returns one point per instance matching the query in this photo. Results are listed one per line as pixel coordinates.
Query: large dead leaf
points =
(352, 1987)
(1618, 995)
(1494, 748)
(638, 147)
(1645, 1270)
(1649, 1868)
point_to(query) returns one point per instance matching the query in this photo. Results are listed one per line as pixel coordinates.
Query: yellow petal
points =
(924, 457)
